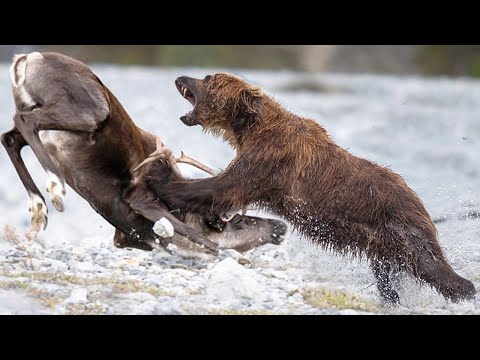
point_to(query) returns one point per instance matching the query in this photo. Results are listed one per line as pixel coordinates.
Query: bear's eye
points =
(208, 78)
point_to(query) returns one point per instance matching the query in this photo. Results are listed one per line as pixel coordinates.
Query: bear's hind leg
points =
(435, 271)
(381, 271)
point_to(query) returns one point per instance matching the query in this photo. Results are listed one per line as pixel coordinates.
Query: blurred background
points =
(450, 60)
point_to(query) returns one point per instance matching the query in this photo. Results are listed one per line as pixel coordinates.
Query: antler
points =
(163, 152)
(227, 216)
(188, 160)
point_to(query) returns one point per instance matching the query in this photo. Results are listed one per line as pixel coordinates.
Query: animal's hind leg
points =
(55, 182)
(438, 273)
(57, 116)
(13, 142)
(381, 271)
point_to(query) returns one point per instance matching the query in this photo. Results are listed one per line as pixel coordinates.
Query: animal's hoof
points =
(57, 191)
(38, 212)
(58, 203)
(163, 228)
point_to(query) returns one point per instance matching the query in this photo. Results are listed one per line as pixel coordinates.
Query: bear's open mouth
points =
(187, 93)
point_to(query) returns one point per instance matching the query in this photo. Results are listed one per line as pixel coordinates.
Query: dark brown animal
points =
(89, 141)
(289, 165)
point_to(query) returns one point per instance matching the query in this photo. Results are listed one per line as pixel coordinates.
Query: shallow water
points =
(427, 130)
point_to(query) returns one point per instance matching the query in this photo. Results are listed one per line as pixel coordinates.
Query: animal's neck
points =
(270, 115)
(122, 133)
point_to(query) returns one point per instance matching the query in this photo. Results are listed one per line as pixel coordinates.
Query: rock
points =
(136, 272)
(160, 258)
(79, 266)
(33, 263)
(179, 266)
(163, 228)
(230, 282)
(235, 255)
(167, 309)
(348, 312)
(243, 261)
(140, 296)
(77, 296)
(12, 303)
(297, 297)
(172, 248)
(16, 254)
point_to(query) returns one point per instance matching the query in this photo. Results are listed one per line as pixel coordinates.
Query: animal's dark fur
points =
(289, 165)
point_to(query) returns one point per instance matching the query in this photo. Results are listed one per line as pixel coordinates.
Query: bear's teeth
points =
(184, 91)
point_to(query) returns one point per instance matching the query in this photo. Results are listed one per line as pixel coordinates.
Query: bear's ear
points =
(255, 90)
(246, 108)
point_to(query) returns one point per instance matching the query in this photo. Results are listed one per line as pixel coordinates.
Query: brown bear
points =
(289, 165)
